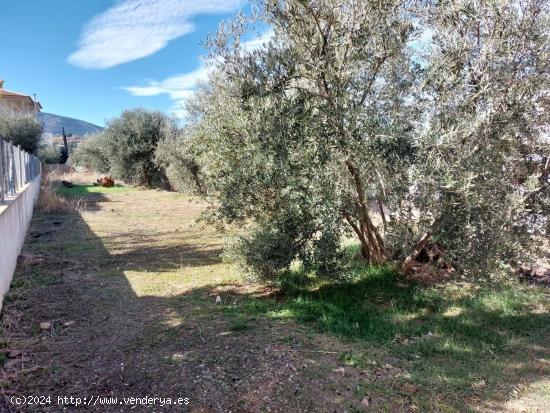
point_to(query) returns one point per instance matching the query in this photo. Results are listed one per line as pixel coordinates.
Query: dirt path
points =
(129, 286)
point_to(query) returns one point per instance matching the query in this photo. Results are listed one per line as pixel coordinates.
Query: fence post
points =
(16, 168)
(30, 168)
(11, 165)
(26, 161)
(26, 166)
(2, 189)
(20, 156)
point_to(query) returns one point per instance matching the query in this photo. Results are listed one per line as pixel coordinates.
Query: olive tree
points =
(132, 140)
(92, 153)
(126, 147)
(423, 112)
(50, 153)
(305, 131)
(22, 130)
(485, 84)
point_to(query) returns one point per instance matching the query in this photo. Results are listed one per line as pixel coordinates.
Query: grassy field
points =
(129, 282)
(83, 189)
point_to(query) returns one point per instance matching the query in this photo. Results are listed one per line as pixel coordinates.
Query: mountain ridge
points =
(54, 124)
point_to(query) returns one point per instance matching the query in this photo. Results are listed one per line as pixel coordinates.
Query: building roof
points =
(4, 92)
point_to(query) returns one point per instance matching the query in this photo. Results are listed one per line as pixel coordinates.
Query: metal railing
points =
(17, 168)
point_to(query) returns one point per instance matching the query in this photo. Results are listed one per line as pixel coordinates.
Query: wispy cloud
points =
(178, 88)
(182, 86)
(133, 29)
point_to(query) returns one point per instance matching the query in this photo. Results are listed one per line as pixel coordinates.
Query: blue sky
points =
(92, 59)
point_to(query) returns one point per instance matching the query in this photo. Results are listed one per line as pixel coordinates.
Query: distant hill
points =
(54, 124)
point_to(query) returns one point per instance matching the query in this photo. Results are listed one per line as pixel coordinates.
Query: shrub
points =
(92, 153)
(131, 142)
(22, 130)
(264, 252)
(50, 154)
(126, 147)
(177, 155)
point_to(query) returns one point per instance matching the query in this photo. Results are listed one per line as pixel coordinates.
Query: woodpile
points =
(535, 274)
(106, 181)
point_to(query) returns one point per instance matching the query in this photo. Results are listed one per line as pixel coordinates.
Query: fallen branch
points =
(200, 333)
(309, 351)
(407, 262)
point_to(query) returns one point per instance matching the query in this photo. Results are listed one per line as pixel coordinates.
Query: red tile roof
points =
(4, 92)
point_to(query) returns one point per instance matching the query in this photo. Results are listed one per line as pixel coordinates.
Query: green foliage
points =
(63, 154)
(126, 147)
(265, 251)
(485, 111)
(281, 124)
(432, 110)
(50, 154)
(22, 130)
(132, 141)
(177, 156)
(92, 153)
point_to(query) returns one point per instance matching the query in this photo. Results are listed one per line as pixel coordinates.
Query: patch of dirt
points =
(117, 303)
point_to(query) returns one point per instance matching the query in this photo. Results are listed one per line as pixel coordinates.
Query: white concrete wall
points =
(15, 216)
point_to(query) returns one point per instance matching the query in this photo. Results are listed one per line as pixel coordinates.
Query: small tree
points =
(126, 147)
(50, 154)
(92, 153)
(22, 130)
(131, 142)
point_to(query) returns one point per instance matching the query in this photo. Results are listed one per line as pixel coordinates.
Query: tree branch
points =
(408, 261)
(544, 184)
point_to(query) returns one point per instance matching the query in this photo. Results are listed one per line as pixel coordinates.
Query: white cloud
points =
(181, 87)
(258, 41)
(178, 88)
(133, 29)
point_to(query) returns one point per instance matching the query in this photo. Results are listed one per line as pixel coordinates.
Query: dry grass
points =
(49, 200)
(57, 173)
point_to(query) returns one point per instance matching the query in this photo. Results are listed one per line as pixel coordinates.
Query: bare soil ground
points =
(129, 284)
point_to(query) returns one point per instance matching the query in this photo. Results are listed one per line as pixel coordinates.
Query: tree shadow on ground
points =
(304, 349)
(472, 348)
